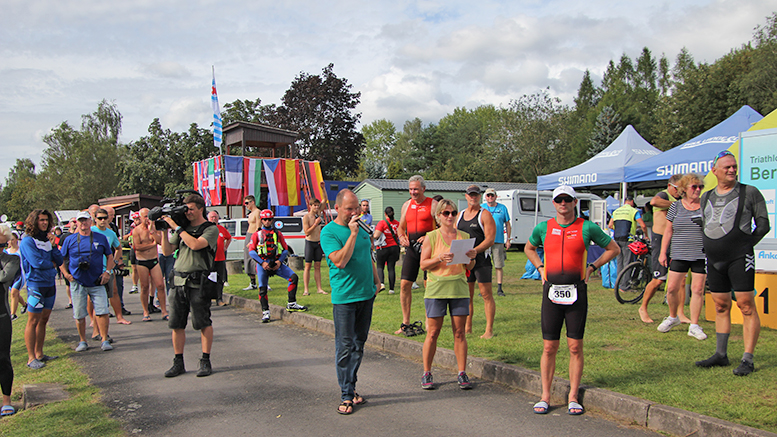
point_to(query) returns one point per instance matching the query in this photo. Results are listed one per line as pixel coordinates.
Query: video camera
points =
(175, 208)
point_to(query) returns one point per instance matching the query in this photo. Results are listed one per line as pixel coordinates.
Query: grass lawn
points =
(81, 415)
(621, 353)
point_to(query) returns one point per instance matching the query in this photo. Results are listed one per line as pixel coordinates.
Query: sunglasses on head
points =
(562, 199)
(721, 155)
(449, 213)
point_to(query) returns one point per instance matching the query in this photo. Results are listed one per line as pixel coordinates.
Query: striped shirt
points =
(686, 244)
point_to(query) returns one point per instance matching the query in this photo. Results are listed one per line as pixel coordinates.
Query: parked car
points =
(291, 227)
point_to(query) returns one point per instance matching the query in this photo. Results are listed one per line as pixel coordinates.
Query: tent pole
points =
(623, 192)
(536, 206)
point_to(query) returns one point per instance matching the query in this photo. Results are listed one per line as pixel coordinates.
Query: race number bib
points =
(563, 294)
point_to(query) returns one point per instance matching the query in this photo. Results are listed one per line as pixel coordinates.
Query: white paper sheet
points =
(459, 248)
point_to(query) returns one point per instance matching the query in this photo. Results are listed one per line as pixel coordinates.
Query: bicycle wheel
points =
(631, 283)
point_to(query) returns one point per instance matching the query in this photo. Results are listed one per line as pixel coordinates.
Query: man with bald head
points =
(145, 239)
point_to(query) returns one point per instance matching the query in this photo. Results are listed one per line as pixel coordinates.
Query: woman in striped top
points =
(684, 231)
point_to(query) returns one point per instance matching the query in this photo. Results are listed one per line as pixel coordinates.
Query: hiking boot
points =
(205, 368)
(250, 287)
(265, 317)
(714, 360)
(294, 306)
(464, 383)
(427, 382)
(744, 368)
(106, 346)
(697, 333)
(668, 324)
(176, 370)
(82, 346)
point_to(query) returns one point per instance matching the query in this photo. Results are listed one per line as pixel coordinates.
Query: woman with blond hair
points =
(683, 238)
(446, 288)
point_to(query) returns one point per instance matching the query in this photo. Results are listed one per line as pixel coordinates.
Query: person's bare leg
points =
(697, 296)
(179, 340)
(459, 341)
(81, 327)
(490, 306)
(206, 338)
(575, 367)
(103, 322)
(30, 337)
(14, 301)
(673, 293)
(116, 304)
(317, 277)
(306, 278)
(158, 279)
(548, 367)
(681, 307)
(40, 332)
(650, 291)
(468, 324)
(145, 284)
(751, 326)
(722, 312)
(92, 318)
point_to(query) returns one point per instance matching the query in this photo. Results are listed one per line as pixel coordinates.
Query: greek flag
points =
(214, 100)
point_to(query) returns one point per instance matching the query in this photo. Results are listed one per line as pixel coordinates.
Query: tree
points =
(759, 86)
(81, 166)
(18, 196)
(321, 109)
(607, 129)
(251, 111)
(380, 137)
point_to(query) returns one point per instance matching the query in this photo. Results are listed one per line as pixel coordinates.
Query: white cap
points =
(83, 215)
(565, 189)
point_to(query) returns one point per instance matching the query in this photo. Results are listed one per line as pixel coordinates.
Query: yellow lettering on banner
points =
(765, 302)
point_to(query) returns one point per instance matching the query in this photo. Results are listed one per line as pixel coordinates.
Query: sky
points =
(408, 59)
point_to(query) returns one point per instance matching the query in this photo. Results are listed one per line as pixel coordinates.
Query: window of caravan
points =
(528, 204)
(230, 226)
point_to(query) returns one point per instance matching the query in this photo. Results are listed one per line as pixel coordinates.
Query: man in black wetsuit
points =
(729, 211)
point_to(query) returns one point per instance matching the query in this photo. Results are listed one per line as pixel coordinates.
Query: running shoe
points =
(265, 317)
(744, 368)
(250, 287)
(82, 346)
(14, 317)
(713, 361)
(36, 364)
(464, 383)
(134, 290)
(668, 324)
(427, 382)
(391, 291)
(294, 306)
(697, 333)
(415, 286)
(106, 346)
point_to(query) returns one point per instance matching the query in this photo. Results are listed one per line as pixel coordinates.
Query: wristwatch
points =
(592, 266)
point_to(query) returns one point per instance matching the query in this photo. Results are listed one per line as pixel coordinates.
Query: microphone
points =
(364, 226)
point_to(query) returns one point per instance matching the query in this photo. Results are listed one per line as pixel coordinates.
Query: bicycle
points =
(632, 280)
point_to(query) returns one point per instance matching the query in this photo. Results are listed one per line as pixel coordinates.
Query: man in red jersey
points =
(564, 287)
(417, 219)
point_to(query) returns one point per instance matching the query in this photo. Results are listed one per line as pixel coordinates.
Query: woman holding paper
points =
(446, 287)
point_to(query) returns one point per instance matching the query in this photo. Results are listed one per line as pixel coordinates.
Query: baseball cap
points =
(629, 197)
(473, 189)
(83, 215)
(565, 189)
(19, 223)
(490, 191)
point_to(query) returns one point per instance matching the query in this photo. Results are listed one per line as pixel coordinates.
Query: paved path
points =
(277, 379)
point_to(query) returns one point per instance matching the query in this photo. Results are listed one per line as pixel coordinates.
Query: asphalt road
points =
(277, 379)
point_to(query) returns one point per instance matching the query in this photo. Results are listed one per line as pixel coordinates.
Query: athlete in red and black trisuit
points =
(416, 220)
(565, 275)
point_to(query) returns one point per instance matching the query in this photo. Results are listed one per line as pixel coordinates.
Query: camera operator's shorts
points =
(79, 293)
(40, 298)
(185, 299)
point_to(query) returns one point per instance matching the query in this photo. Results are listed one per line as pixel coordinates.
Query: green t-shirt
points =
(355, 282)
(189, 261)
(591, 232)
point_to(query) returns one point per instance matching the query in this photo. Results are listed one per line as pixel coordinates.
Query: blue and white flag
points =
(214, 100)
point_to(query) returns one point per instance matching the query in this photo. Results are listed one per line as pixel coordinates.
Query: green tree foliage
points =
(81, 166)
(18, 196)
(607, 129)
(161, 162)
(321, 108)
(759, 85)
(380, 137)
(251, 111)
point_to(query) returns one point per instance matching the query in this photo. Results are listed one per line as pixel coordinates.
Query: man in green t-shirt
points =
(196, 244)
(354, 281)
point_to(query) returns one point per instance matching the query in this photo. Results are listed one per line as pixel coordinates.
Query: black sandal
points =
(347, 405)
(418, 328)
(408, 330)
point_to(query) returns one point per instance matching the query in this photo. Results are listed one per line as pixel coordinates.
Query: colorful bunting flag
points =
(214, 181)
(313, 179)
(252, 177)
(233, 179)
(282, 181)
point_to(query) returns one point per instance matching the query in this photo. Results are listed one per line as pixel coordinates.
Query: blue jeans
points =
(166, 264)
(352, 325)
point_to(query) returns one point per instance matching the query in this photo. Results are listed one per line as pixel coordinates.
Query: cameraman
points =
(196, 243)
(85, 252)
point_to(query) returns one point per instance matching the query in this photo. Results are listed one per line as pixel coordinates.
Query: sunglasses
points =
(562, 199)
(102, 218)
(449, 213)
(490, 195)
(696, 187)
(721, 155)
(247, 203)
(266, 219)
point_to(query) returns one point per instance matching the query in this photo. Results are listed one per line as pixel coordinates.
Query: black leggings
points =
(6, 371)
(390, 256)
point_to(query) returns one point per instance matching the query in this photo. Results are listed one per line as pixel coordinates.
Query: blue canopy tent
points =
(695, 155)
(605, 169)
